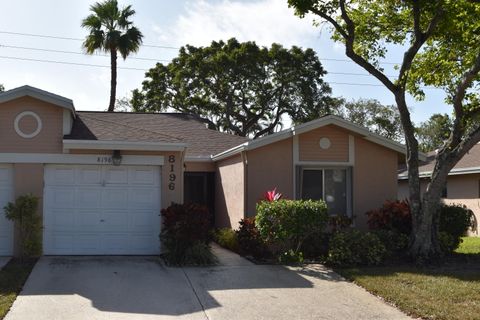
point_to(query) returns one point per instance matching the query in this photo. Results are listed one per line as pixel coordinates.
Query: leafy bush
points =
(250, 243)
(447, 242)
(340, 222)
(455, 220)
(287, 223)
(393, 215)
(395, 242)
(24, 213)
(355, 248)
(291, 257)
(185, 227)
(199, 254)
(227, 238)
(316, 245)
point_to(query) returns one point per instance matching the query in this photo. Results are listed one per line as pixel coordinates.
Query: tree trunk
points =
(113, 83)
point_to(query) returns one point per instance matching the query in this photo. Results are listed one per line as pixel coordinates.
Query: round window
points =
(28, 124)
(325, 143)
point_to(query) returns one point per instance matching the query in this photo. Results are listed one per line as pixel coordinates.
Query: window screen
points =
(312, 184)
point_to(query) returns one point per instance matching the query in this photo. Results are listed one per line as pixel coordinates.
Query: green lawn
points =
(450, 291)
(12, 278)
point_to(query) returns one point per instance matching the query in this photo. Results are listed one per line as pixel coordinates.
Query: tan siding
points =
(269, 167)
(28, 178)
(200, 166)
(309, 145)
(229, 189)
(49, 140)
(374, 178)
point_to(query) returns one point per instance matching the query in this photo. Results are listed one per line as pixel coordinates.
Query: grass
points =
(449, 291)
(12, 279)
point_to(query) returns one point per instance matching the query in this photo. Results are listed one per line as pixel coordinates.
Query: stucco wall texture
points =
(461, 189)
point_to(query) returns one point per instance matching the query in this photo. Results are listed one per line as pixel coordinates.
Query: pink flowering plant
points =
(272, 195)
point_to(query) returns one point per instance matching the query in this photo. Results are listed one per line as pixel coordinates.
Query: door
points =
(101, 210)
(6, 195)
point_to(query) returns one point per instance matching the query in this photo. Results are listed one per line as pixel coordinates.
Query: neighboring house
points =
(463, 182)
(103, 177)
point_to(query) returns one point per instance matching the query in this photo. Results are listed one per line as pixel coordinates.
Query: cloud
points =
(263, 21)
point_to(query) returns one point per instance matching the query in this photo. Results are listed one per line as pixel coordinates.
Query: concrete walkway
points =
(120, 288)
(4, 261)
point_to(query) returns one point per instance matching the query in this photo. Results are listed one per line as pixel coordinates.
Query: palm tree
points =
(111, 31)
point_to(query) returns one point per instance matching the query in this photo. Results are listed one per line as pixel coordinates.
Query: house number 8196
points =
(172, 177)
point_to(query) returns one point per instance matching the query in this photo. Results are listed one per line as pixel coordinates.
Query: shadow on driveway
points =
(143, 288)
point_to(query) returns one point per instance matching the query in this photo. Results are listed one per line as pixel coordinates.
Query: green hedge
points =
(285, 224)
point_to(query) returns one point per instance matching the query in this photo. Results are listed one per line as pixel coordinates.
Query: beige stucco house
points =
(463, 183)
(102, 178)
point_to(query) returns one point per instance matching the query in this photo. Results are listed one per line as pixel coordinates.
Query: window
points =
(333, 185)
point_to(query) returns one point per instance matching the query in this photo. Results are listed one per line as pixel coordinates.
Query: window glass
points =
(312, 184)
(336, 191)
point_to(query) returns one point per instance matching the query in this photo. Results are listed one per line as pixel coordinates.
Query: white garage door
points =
(6, 195)
(101, 210)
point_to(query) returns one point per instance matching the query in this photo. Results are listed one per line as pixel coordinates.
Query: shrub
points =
(250, 243)
(184, 228)
(227, 238)
(287, 223)
(24, 213)
(291, 257)
(340, 222)
(393, 215)
(455, 220)
(395, 242)
(199, 254)
(447, 242)
(316, 245)
(355, 248)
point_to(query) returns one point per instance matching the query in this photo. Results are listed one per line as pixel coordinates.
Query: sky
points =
(169, 24)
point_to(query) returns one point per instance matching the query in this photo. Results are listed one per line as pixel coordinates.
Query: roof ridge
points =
(138, 128)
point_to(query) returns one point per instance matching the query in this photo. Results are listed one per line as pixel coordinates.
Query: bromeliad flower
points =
(272, 195)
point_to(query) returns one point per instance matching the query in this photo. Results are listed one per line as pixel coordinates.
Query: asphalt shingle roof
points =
(153, 127)
(469, 160)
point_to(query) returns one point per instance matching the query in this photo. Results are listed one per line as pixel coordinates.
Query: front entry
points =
(199, 188)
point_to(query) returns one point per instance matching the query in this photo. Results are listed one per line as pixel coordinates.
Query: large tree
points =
(112, 31)
(440, 43)
(236, 87)
(2, 88)
(433, 133)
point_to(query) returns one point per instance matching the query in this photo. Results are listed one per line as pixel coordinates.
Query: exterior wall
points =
(168, 196)
(49, 140)
(461, 189)
(309, 149)
(27, 178)
(374, 178)
(230, 192)
(269, 167)
(200, 166)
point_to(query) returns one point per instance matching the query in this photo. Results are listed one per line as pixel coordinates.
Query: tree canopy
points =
(439, 40)
(111, 30)
(237, 87)
(2, 88)
(433, 133)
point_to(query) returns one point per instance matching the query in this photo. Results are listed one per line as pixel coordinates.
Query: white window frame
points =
(349, 183)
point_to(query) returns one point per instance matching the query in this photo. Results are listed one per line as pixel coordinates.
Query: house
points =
(102, 178)
(463, 182)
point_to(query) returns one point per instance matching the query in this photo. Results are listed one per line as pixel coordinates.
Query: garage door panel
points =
(89, 175)
(142, 221)
(115, 198)
(6, 195)
(143, 198)
(60, 175)
(88, 197)
(110, 210)
(116, 175)
(88, 220)
(61, 197)
(116, 221)
(143, 176)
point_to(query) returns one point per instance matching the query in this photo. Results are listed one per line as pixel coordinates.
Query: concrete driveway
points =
(118, 288)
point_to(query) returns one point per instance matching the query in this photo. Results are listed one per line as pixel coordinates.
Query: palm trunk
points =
(113, 83)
